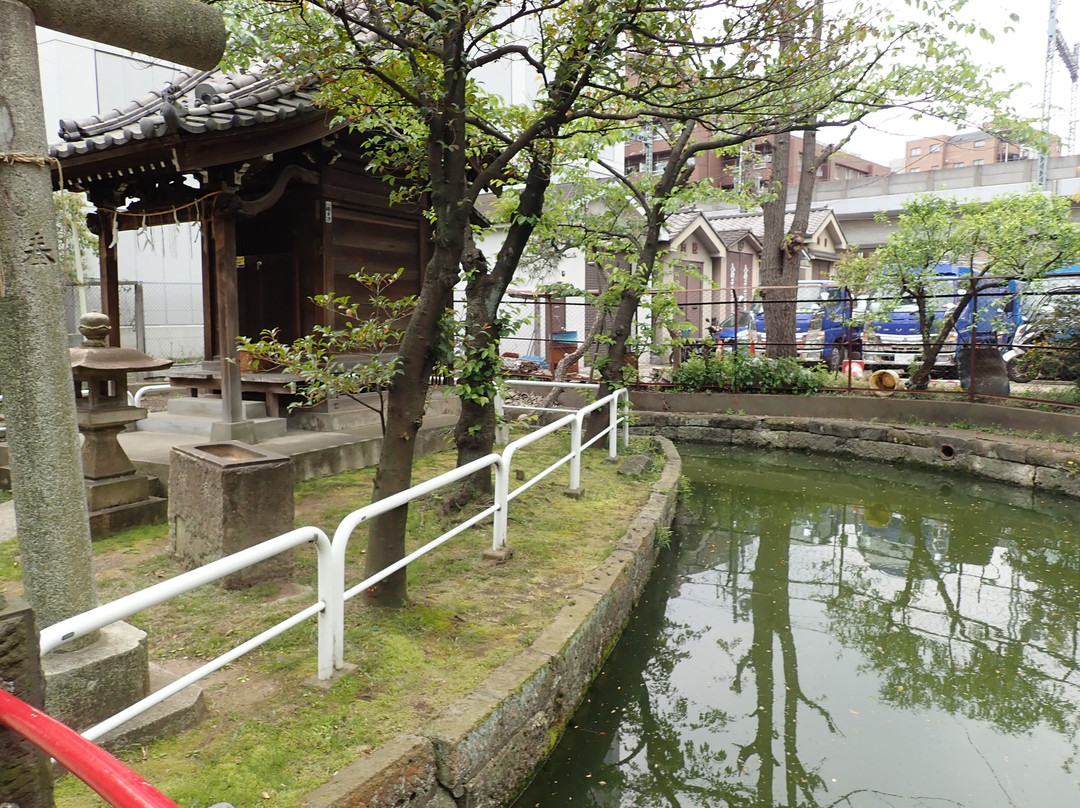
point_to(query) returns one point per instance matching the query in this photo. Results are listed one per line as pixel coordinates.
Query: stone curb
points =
(1032, 464)
(482, 749)
(858, 408)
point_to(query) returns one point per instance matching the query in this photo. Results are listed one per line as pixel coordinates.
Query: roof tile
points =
(234, 100)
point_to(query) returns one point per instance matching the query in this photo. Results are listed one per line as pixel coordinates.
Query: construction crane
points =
(1056, 45)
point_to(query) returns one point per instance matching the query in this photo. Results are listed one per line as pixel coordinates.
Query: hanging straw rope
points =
(11, 158)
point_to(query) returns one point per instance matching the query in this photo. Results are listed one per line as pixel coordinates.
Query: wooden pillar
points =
(110, 274)
(228, 316)
(328, 281)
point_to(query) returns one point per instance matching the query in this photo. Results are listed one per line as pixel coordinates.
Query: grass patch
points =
(268, 739)
(9, 562)
(1046, 437)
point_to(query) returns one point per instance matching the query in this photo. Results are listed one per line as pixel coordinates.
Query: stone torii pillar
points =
(35, 373)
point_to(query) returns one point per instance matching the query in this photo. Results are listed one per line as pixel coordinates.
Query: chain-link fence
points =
(161, 319)
(173, 320)
(544, 330)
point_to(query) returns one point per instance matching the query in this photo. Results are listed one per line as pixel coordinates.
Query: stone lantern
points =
(116, 494)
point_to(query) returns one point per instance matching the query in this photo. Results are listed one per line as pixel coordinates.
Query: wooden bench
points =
(205, 378)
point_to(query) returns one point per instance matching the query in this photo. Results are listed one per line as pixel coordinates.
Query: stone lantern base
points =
(105, 521)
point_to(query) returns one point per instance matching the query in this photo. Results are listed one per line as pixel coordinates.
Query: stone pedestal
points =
(227, 496)
(25, 778)
(87, 686)
(239, 431)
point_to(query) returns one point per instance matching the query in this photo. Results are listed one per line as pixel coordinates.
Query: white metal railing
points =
(332, 645)
(82, 624)
(501, 406)
(136, 399)
(329, 607)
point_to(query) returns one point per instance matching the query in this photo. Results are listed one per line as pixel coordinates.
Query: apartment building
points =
(958, 151)
(751, 166)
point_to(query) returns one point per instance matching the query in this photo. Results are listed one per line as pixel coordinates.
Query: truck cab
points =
(834, 332)
(808, 299)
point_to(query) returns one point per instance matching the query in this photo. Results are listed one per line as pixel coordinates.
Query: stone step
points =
(179, 712)
(346, 415)
(200, 426)
(210, 407)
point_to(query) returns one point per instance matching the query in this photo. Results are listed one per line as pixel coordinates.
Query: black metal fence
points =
(1020, 335)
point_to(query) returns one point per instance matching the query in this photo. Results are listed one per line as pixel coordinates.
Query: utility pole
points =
(647, 135)
(1056, 45)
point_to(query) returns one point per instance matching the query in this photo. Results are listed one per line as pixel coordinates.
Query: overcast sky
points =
(1022, 54)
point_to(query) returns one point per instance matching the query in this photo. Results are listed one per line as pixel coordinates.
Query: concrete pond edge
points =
(1030, 464)
(484, 748)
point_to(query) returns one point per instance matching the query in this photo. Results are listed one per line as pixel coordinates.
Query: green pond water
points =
(824, 632)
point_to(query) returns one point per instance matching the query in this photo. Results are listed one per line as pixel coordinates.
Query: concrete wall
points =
(856, 201)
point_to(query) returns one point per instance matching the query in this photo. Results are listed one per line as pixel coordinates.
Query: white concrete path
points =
(7, 520)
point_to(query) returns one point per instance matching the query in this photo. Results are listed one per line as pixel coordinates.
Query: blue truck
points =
(809, 296)
(888, 336)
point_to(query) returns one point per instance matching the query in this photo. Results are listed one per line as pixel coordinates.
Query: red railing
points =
(108, 777)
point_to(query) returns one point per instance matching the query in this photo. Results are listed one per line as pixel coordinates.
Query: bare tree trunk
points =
(920, 379)
(777, 272)
(474, 434)
(405, 414)
(782, 249)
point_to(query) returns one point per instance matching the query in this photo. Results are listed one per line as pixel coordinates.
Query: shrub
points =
(738, 371)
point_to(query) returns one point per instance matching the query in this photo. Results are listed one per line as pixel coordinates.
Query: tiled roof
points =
(733, 237)
(195, 101)
(677, 222)
(723, 222)
(821, 255)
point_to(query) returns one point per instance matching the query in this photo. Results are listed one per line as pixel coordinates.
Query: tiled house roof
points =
(195, 102)
(731, 238)
(677, 222)
(724, 223)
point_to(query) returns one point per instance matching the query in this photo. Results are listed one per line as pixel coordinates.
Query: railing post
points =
(25, 779)
(331, 620)
(575, 455)
(336, 611)
(502, 429)
(613, 426)
(626, 421)
(502, 503)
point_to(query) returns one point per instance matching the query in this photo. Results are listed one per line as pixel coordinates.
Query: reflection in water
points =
(870, 636)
